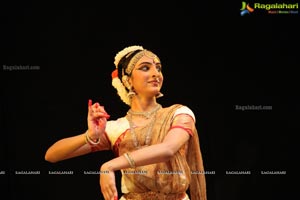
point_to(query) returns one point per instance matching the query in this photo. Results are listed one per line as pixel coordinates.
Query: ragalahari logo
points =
(246, 9)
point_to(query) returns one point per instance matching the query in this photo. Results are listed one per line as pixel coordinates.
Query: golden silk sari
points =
(168, 180)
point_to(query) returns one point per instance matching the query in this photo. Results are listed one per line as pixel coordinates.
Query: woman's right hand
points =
(96, 120)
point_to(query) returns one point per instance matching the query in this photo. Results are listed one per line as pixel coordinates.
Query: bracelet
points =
(89, 140)
(130, 160)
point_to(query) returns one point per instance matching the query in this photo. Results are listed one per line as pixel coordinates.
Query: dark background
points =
(213, 60)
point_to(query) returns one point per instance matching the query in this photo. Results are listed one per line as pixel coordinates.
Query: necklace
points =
(148, 127)
(146, 115)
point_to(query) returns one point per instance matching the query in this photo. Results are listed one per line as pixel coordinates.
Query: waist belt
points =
(155, 196)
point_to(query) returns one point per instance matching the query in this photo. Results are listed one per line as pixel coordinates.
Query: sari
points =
(167, 180)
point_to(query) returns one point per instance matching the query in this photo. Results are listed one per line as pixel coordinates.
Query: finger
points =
(108, 195)
(112, 190)
(103, 191)
(115, 193)
(116, 196)
(107, 116)
(100, 115)
(109, 190)
(90, 103)
(100, 112)
(90, 106)
(105, 195)
(99, 108)
(111, 193)
(103, 110)
(97, 111)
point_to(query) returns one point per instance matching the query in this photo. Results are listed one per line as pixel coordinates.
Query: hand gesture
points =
(96, 120)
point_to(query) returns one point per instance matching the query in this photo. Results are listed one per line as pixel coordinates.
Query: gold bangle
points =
(130, 160)
(89, 140)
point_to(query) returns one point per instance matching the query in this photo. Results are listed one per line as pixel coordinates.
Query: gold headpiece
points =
(125, 52)
(138, 56)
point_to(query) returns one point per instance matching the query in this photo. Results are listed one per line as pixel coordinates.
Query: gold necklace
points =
(146, 114)
(149, 126)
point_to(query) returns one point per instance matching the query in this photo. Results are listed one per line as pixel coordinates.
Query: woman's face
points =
(146, 77)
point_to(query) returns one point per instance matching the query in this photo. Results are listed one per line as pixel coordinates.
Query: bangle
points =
(89, 140)
(130, 160)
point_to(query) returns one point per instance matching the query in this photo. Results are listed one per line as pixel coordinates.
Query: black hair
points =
(123, 64)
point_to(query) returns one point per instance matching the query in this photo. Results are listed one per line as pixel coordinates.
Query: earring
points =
(159, 95)
(131, 93)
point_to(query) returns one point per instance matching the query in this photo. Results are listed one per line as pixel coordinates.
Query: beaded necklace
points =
(149, 126)
(145, 114)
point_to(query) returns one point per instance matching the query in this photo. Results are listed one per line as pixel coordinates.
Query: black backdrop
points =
(214, 61)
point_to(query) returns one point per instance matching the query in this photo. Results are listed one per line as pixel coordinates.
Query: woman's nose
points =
(155, 72)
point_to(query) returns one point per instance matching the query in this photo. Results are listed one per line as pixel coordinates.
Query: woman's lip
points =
(154, 82)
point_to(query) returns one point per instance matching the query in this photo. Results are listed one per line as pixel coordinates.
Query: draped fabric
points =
(169, 177)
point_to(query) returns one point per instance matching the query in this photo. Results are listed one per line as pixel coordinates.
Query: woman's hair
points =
(125, 60)
(123, 64)
(122, 60)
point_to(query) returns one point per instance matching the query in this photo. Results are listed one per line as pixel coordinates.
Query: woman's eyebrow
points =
(142, 63)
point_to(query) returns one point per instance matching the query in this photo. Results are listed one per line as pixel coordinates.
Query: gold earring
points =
(131, 93)
(159, 95)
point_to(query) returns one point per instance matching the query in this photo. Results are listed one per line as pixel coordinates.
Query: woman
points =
(157, 149)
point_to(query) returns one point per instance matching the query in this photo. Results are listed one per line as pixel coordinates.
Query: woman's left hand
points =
(108, 183)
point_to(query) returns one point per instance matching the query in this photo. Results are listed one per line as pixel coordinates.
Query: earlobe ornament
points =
(159, 95)
(131, 93)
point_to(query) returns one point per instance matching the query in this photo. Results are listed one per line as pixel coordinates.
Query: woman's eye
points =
(158, 68)
(147, 68)
(144, 68)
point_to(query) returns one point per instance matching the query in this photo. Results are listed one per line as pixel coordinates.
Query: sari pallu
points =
(172, 177)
